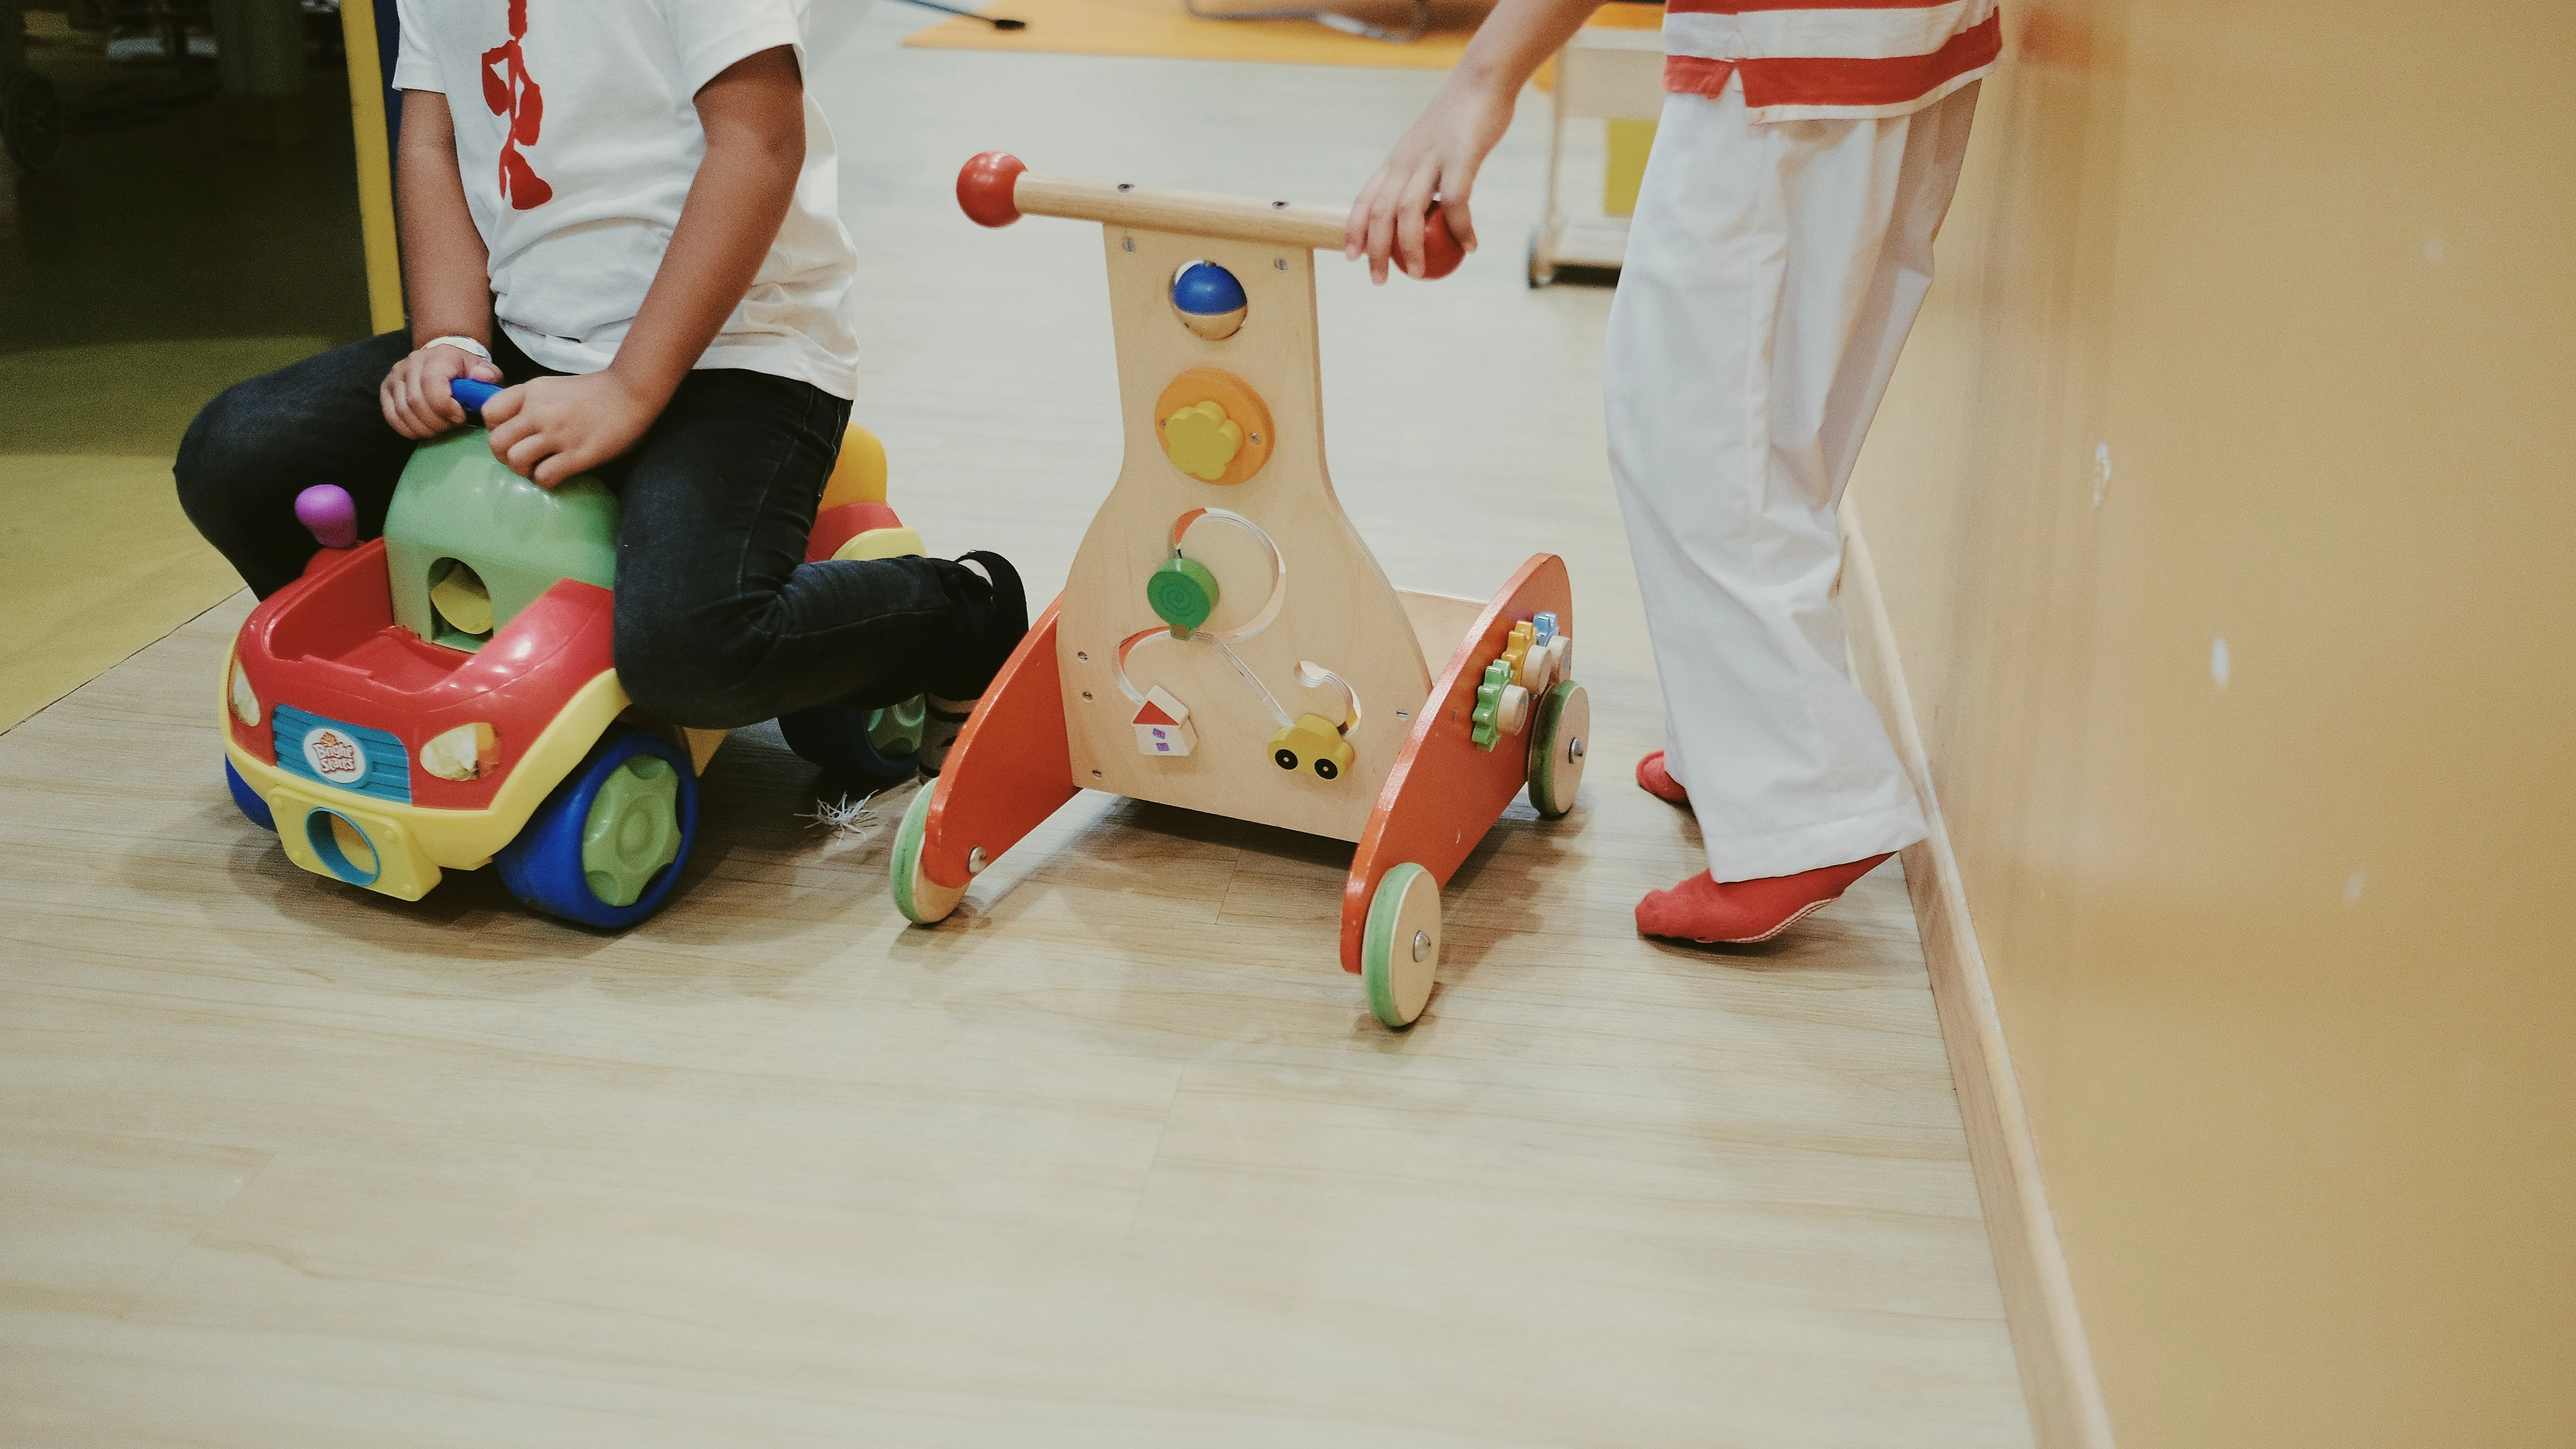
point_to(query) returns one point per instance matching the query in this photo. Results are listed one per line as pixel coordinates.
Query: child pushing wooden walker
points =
(1225, 641)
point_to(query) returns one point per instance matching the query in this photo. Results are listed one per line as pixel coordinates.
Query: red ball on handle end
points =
(1441, 252)
(985, 187)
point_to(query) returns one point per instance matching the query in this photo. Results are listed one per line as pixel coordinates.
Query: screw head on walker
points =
(985, 188)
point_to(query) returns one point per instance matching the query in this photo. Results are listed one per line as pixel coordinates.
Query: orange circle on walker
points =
(1213, 426)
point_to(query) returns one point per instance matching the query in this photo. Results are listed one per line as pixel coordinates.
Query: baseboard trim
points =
(2057, 1376)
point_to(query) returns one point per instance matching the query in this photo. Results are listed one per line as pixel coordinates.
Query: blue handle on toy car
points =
(472, 394)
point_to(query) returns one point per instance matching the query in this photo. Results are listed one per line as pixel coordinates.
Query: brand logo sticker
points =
(334, 756)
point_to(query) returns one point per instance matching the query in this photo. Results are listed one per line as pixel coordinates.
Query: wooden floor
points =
(1117, 1156)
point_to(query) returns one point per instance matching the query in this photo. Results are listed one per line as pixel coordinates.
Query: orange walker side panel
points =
(1444, 793)
(1015, 751)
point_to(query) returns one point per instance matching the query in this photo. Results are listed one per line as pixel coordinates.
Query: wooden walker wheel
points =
(1400, 954)
(1560, 737)
(923, 901)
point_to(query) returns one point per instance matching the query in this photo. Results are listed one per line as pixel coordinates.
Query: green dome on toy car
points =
(469, 544)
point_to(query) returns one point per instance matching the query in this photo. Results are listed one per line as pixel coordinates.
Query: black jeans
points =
(720, 621)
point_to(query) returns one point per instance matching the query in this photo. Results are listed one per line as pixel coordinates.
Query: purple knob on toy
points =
(330, 513)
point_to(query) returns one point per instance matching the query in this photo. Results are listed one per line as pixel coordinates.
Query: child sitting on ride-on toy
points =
(626, 214)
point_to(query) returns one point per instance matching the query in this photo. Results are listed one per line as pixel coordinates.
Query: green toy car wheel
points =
(897, 729)
(633, 829)
(1400, 945)
(879, 748)
(923, 901)
(608, 845)
(1559, 738)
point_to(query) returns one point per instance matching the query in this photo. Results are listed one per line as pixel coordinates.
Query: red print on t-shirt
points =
(515, 95)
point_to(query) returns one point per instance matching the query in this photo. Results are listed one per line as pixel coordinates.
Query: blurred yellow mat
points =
(96, 560)
(1166, 28)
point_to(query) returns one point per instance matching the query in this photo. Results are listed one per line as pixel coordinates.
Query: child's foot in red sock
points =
(1657, 781)
(1742, 911)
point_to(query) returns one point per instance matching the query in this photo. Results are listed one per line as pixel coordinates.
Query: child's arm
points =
(754, 116)
(1439, 156)
(445, 271)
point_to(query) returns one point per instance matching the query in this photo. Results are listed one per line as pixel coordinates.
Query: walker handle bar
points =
(996, 189)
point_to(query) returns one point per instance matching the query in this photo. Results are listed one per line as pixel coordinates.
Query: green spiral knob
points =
(1183, 594)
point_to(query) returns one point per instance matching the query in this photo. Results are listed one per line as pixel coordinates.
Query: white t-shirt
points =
(578, 137)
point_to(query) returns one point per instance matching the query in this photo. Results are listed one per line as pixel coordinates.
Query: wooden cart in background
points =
(1612, 72)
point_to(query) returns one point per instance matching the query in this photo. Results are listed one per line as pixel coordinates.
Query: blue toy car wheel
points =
(248, 799)
(607, 847)
(878, 747)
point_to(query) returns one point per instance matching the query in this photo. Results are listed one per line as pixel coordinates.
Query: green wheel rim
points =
(1377, 942)
(906, 856)
(633, 829)
(1542, 762)
(896, 730)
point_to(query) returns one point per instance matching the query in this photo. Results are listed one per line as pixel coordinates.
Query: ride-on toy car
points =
(445, 696)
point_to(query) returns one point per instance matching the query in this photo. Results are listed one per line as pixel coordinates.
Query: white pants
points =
(1772, 274)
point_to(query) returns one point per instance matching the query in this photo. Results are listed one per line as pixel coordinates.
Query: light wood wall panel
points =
(2223, 510)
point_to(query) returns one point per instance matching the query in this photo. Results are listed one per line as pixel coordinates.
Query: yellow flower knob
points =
(1202, 440)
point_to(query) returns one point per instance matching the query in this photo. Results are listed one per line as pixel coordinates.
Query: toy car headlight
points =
(245, 701)
(460, 753)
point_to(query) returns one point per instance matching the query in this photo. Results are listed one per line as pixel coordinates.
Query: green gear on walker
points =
(1183, 593)
(1488, 730)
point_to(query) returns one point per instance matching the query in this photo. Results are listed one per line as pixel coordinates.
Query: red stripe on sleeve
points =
(1892, 81)
(1696, 75)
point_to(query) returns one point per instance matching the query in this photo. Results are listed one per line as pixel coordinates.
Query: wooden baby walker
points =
(1225, 641)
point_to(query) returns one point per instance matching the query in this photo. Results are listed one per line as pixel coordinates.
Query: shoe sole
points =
(1756, 940)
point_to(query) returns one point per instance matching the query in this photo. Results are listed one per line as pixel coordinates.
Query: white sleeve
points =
(415, 64)
(709, 35)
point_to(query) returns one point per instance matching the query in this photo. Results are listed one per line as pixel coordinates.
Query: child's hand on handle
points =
(554, 428)
(415, 395)
(1437, 159)
(1440, 155)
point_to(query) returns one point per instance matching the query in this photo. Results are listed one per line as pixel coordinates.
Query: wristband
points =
(461, 344)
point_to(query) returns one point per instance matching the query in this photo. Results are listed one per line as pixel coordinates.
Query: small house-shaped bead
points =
(1163, 725)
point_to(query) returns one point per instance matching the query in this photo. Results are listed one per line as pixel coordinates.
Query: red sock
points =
(1735, 912)
(1657, 781)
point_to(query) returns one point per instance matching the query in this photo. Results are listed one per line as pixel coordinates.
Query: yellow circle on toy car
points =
(1312, 743)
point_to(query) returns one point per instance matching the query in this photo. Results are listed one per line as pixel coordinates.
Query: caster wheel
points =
(1400, 949)
(1557, 746)
(252, 807)
(31, 116)
(1540, 274)
(923, 901)
(879, 747)
(608, 846)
